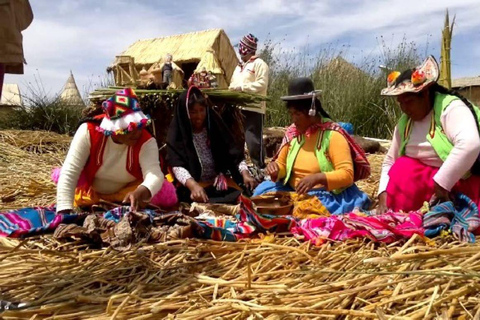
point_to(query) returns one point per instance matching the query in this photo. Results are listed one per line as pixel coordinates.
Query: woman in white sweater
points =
(116, 160)
(436, 144)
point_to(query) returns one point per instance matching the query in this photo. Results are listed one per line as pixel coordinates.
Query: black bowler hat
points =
(300, 89)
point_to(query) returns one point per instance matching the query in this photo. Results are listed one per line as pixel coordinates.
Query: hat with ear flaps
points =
(421, 77)
(122, 114)
(302, 89)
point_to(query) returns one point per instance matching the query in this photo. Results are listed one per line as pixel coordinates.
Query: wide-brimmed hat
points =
(122, 113)
(422, 76)
(302, 89)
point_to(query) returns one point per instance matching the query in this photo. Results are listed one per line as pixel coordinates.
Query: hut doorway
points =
(188, 69)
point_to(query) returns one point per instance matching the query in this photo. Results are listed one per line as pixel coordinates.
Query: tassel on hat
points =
(313, 110)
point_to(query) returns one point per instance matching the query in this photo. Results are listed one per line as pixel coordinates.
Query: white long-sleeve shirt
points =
(252, 76)
(112, 174)
(459, 126)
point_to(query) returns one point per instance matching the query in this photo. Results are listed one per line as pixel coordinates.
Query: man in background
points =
(15, 16)
(251, 75)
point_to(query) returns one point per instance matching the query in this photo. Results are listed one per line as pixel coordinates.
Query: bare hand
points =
(138, 198)
(272, 170)
(248, 180)
(197, 193)
(440, 195)
(308, 183)
(382, 203)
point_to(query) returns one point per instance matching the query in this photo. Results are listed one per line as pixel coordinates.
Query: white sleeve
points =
(150, 164)
(261, 79)
(181, 174)
(459, 125)
(388, 162)
(75, 161)
(242, 166)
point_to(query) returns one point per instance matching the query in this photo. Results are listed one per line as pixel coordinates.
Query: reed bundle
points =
(276, 277)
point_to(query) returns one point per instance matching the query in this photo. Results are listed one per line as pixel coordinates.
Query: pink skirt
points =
(411, 184)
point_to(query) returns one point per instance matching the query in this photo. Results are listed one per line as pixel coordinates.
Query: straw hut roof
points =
(11, 95)
(188, 47)
(466, 82)
(210, 62)
(70, 93)
(211, 49)
(340, 64)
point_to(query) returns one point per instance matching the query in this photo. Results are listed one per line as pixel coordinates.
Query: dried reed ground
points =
(276, 278)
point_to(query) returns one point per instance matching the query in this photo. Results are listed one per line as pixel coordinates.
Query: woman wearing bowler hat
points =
(317, 156)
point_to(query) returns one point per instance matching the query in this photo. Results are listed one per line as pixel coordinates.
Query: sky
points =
(84, 36)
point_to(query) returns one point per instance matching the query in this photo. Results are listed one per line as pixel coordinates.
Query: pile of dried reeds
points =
(276, 278)
(26, 161)
(279, 278)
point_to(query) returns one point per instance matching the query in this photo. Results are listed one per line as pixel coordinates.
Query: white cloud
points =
(84, 36)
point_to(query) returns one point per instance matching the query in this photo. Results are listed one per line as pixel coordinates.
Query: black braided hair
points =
(441, 89)
(89, 113)
(304, 106)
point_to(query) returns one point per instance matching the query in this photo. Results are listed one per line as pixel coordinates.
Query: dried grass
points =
(274, 278)
(278, 279)
(26, 161)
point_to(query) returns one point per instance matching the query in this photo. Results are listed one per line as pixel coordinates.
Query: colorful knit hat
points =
(422, 76)
(122, 113)
(248, 44)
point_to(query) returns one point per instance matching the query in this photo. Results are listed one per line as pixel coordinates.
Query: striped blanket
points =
(387, 227)
(248, 223)
(461, 218)
(31, 221)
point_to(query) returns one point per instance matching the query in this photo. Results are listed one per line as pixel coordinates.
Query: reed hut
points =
(10, 98)
(469, 87)
(70, 94)
(191, 52)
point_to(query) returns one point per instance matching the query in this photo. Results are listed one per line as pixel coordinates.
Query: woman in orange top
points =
(316, 156)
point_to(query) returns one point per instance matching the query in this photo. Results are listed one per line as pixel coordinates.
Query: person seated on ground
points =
(113, 158)
(316, 155)
(435, 143)
(206, 160)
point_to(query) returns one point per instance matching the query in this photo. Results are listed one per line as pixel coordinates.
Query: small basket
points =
(273, 204)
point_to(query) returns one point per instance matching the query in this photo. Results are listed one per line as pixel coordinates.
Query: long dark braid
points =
(441, 89)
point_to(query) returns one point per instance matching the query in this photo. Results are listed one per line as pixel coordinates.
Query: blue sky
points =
(85, 35)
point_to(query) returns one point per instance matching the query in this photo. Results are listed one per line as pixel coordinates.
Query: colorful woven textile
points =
(461, 217)
(387, 227)
(249, 223)
(31, 221)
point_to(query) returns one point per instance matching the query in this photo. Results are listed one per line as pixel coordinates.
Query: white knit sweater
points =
(112, 174)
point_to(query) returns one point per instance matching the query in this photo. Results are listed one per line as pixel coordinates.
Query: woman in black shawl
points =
(207, 162)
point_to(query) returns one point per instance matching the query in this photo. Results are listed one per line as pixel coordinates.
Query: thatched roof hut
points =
(468, 87)
(210, 49)
(10, 98)
(70, 94)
